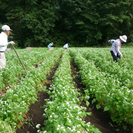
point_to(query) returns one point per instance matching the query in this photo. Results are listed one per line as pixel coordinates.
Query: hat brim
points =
(7, 30)
(122, 39)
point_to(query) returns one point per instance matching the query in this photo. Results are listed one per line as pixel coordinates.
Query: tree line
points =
(80, 22)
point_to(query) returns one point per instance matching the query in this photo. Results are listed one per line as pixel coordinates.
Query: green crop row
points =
(104, 88)
(121, 74)
(14, 71)
(15, 103)
(63, 110)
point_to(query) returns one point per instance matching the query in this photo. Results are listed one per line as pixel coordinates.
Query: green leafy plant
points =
(62, 110)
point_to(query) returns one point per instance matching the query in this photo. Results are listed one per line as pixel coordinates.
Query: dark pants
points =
(114, 56)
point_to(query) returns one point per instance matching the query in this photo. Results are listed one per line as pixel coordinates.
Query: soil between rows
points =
(35, 111)
(99, 118)
(34, 115)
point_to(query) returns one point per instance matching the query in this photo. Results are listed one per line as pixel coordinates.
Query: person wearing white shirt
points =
(3, 44)
(116, 46)
(66, 46)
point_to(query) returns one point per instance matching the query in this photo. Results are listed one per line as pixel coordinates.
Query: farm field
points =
(80, 91)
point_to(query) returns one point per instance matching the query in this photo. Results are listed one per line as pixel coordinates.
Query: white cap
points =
(6, 28)
(123, 38)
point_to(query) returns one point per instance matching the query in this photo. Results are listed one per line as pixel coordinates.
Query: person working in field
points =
(50, 45)
(66, 46)
(3, 44)
(115, 49)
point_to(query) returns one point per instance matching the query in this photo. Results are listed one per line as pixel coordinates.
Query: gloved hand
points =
(109, 41)
(11, 42)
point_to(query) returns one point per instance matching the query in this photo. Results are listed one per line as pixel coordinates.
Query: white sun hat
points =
(6, 28)
(123, 38)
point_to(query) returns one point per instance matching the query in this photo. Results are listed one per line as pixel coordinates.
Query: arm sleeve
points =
(112, 41)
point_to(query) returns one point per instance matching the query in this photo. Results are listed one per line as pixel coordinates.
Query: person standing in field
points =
(116, 46)
(66, 46)
(3, 44)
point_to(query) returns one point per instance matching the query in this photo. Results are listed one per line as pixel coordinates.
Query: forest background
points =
(82, 23)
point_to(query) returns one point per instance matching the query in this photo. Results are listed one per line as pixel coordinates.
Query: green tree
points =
(80, 22)
(115, 18)
(32, 20)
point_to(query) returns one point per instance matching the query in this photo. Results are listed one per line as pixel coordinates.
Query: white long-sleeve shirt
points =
(66, 45)
(116, 46)
(3, 41)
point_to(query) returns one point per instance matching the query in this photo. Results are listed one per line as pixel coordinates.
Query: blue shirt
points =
(50, 45)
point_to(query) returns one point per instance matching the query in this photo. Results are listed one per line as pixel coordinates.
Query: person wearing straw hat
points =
(3, 44)
(116, 46)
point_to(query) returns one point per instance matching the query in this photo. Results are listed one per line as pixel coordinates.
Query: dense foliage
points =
(80, 22)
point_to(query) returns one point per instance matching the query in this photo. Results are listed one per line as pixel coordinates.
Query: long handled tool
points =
(19, 58)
